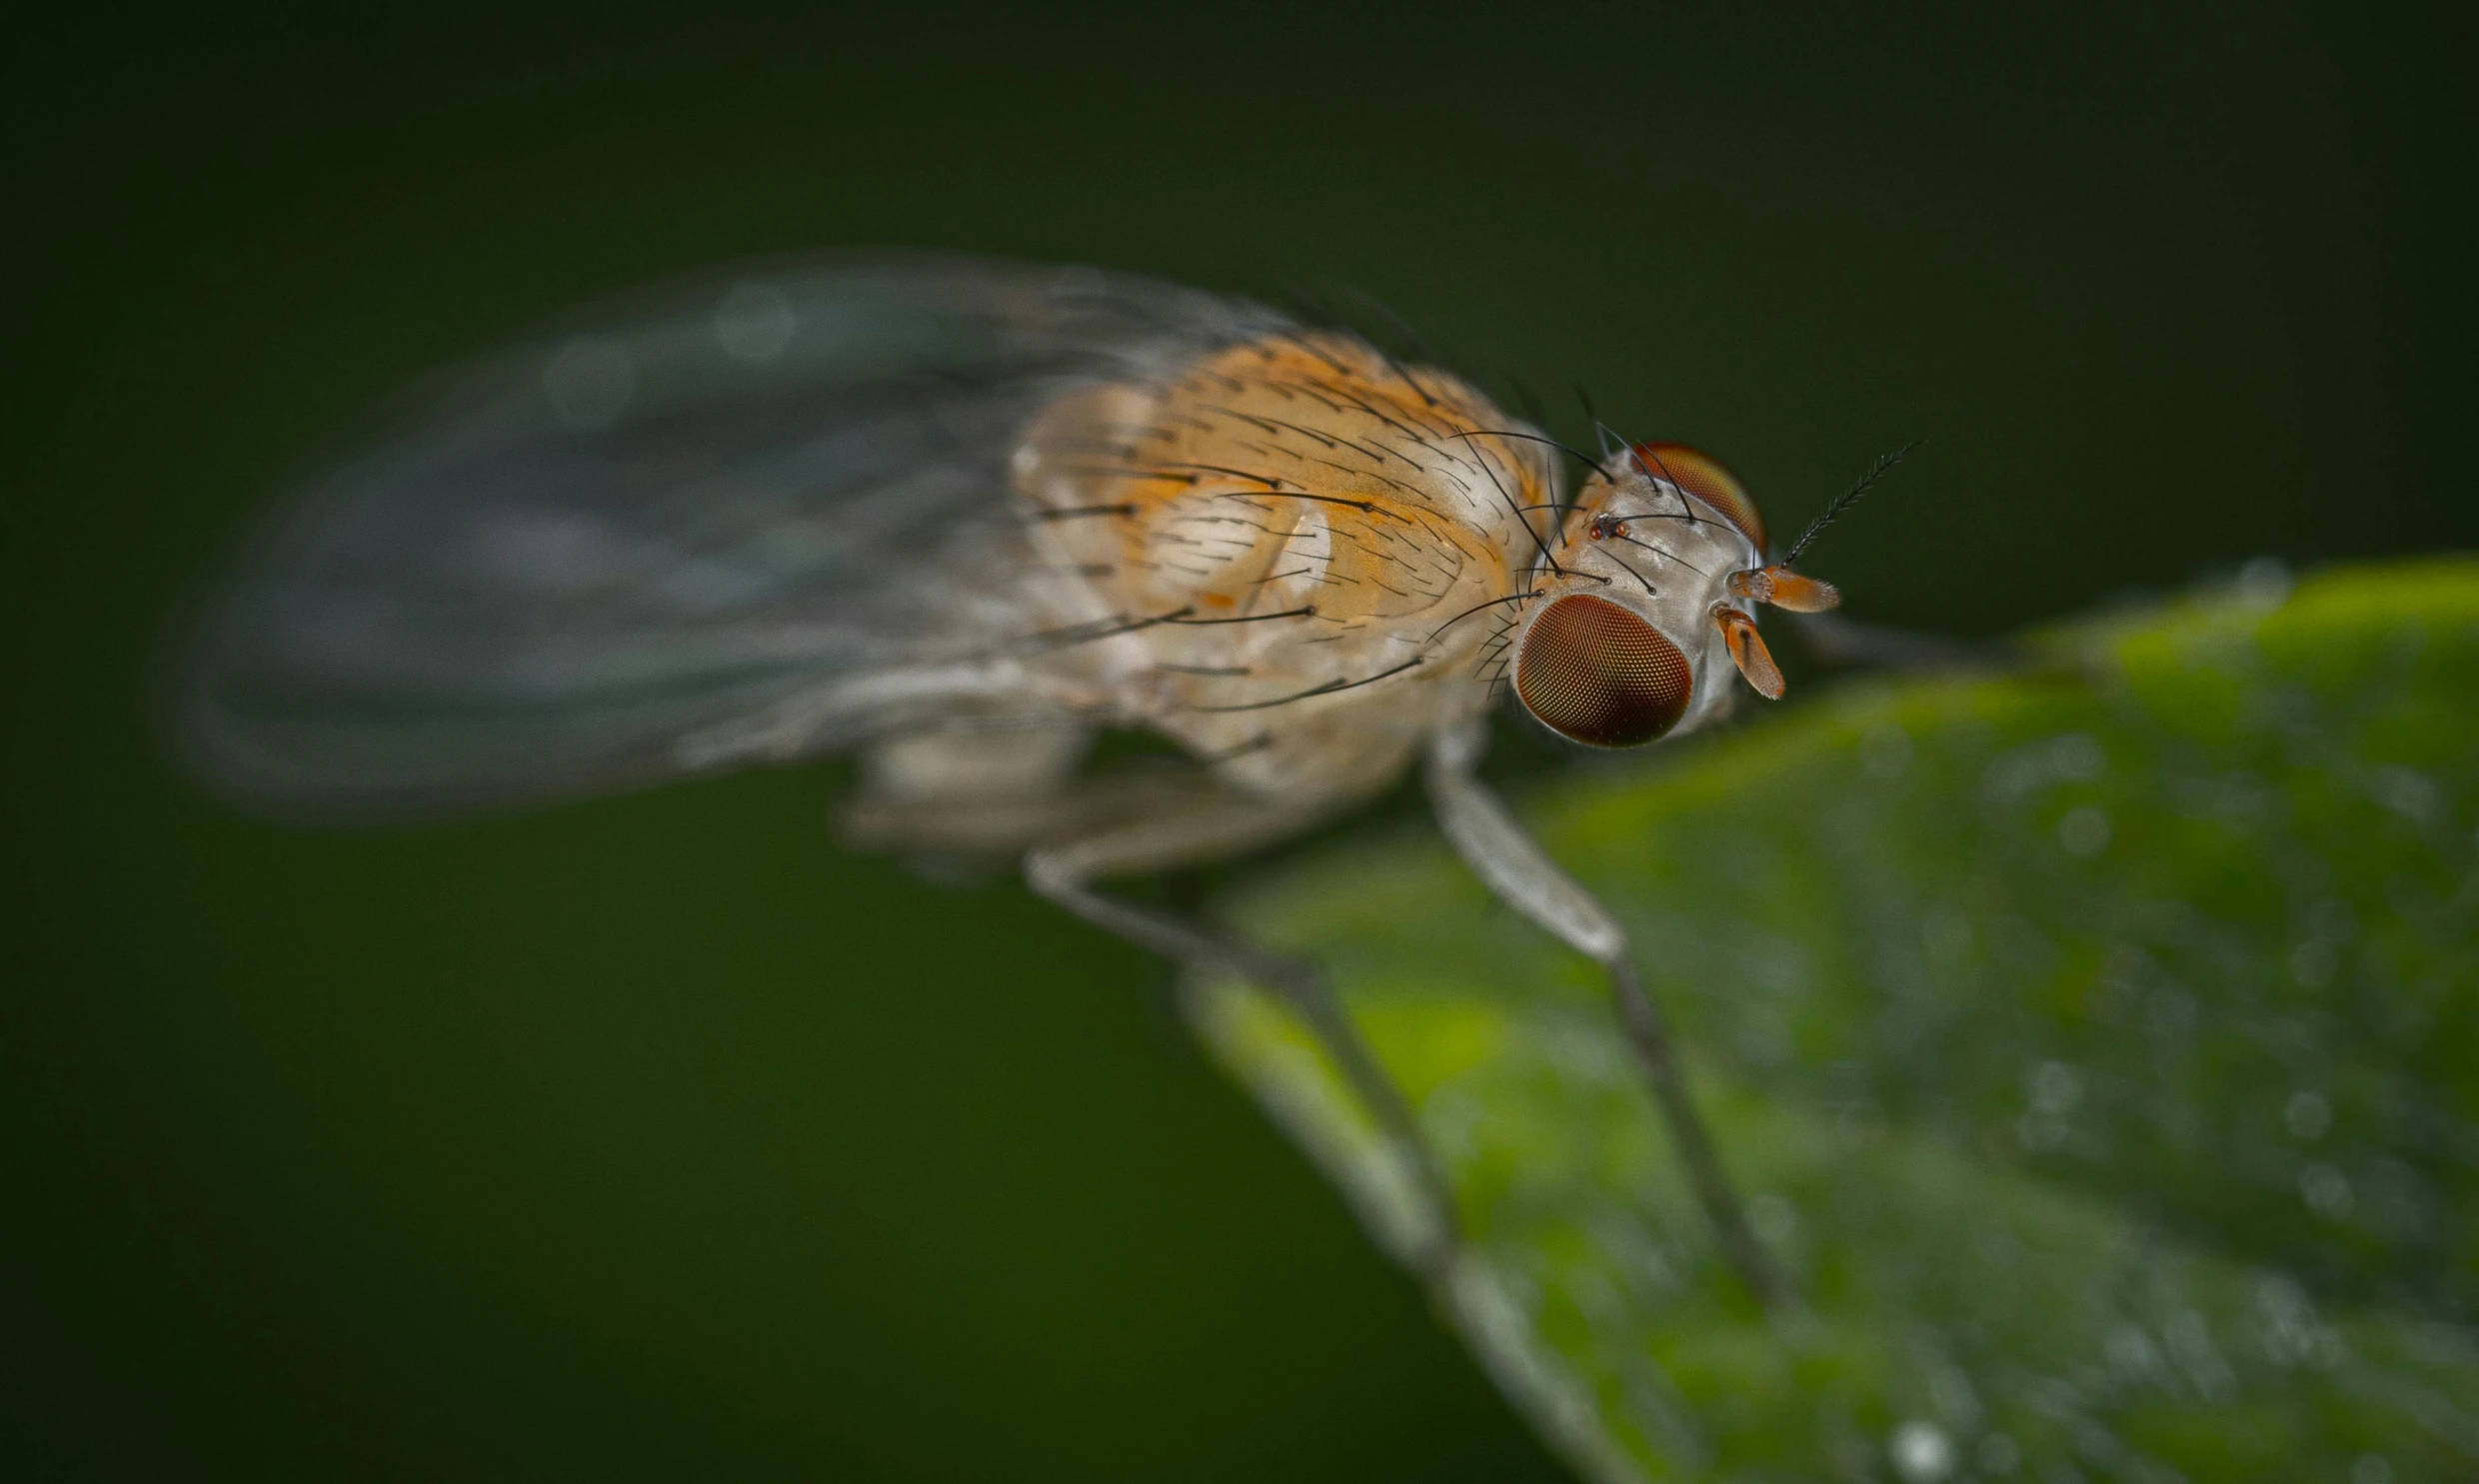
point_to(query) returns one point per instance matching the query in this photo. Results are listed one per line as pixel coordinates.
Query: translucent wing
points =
(571, 556)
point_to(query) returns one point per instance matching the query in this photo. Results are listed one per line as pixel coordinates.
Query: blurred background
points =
(663, 1138)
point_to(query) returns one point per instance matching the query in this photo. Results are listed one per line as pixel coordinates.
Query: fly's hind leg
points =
(1209, 827)
(1512, 865)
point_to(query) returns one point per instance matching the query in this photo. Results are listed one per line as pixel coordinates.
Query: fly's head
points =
(1645, 618)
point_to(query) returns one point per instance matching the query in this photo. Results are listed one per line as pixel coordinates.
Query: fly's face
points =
(1644, 622)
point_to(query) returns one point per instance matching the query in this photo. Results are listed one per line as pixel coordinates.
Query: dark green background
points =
(663, 1137)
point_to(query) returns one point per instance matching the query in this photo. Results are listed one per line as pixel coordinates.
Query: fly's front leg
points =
(1208, 829)
(1514, 865)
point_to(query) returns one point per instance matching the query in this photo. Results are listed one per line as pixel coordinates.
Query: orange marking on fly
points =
(1748, 651)
(1594, 672)
(1784, 589)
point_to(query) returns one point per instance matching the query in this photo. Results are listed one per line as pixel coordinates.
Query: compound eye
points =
(1593, 671)
(1702, 475)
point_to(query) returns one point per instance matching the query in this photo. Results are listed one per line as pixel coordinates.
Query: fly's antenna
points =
(1883, 465)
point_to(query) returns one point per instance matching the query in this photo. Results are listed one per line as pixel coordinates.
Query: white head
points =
(1644, 622)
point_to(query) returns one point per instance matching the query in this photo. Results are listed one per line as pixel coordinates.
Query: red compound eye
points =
(1702, 475)
(1593, 671)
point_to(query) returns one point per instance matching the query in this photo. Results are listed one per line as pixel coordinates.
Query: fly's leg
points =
(1064, 873)
(1512, 864)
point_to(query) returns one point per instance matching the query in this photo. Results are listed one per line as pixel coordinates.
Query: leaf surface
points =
(2097, 1046)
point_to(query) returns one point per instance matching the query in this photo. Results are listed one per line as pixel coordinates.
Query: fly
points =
(961, 516)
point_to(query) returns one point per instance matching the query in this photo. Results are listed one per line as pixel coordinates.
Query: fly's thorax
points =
(1292, 470)
(1629, 638)
(1291, 554)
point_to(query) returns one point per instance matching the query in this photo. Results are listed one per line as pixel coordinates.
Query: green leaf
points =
(2097, 1046)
